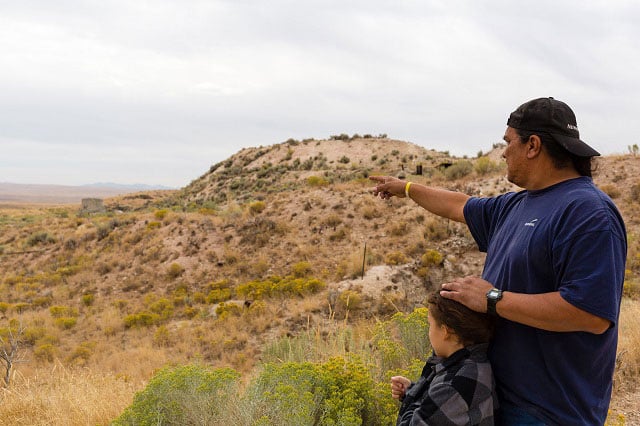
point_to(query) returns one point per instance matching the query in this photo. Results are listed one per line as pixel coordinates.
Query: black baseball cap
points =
(551, 116)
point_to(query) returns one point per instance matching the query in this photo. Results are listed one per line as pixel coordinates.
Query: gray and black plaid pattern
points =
(458, 390)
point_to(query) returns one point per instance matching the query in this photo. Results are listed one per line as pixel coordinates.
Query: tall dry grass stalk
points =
(61, 396)
(627, 374)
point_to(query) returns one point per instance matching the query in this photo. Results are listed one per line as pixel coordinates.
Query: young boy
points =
(456, 386)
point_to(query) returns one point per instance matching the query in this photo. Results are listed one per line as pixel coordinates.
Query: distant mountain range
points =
(66, 194)
(127, 187)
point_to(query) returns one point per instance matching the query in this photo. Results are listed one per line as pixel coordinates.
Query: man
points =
(553, 273)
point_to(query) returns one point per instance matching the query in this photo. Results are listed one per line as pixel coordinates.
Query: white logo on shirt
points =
(531, 223)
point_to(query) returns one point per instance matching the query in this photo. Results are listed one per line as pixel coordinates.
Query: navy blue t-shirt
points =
(568, 238)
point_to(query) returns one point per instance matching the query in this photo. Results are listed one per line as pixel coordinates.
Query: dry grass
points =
(627, 374)
(62, 396)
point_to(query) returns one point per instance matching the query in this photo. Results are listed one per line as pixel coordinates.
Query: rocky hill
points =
(151, 280)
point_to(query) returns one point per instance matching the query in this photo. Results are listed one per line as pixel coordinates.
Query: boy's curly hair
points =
(471, 327)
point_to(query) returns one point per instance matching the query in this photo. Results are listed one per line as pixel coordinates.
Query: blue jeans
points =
(512, 415)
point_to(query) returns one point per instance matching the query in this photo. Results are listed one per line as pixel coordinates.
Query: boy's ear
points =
(448, 333)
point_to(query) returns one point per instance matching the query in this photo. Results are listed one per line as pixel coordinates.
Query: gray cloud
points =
(156, 92)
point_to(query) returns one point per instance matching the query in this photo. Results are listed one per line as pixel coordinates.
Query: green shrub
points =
(402, 340)
(174, 271)
(432, 258)
(153, 225)
(338, 392)
(161, 337)
(63, 311)
(395, 258)
(66, 323)
(458, 170)
(185, 395)
(257, 207)
(21, 306)
(163, 307)
(45, 352)
(225, 310)
(141, 319)
(350, 300)
(160, 214)
(40, 238)
(301, 269)
(82, 353)
(218, 295)
(484, 165)
(32, 334)
(278, 286)
(317, 181)
(88, 299)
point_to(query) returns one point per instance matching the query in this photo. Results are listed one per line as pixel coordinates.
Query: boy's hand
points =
(399, 385)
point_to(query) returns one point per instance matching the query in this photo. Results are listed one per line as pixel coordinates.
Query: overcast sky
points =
(155, 92)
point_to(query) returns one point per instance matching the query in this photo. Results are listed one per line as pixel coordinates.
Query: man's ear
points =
(534, 146)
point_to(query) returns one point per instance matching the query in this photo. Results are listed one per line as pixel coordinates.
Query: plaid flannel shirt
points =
(458, 390)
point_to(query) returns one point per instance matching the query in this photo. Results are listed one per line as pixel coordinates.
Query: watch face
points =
(493, 293)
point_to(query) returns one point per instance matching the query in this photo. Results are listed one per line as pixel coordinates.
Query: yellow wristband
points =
(406, 189)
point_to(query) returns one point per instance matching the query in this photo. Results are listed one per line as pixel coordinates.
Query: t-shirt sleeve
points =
(591, 263)
(481, 217)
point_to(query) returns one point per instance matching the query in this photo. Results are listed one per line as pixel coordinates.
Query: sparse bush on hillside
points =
(141, 319)
(432, 258)
(63, 311)
(218, 295)
(484, 165)
(174, 271)
(153, 225)
(332, 221)
(88, 299)
(395, 258)
(82, 353)
(257, 207)
(635, 192)
(66, 323)
(225, 310)
(160, 214)
(276, 286)
(314, 181)
(162, 337)
(436, 229)
(339, 235)
(611, 190)
(40, 238)
(45, 352)
(399, 229)
(349, 301)
(301, 269)
(105, 229)
(458, 170)
(163, 307)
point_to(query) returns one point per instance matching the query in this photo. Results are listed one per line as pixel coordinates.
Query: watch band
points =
(493, 297)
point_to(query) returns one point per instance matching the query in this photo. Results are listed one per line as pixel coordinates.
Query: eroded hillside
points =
(266, 244)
